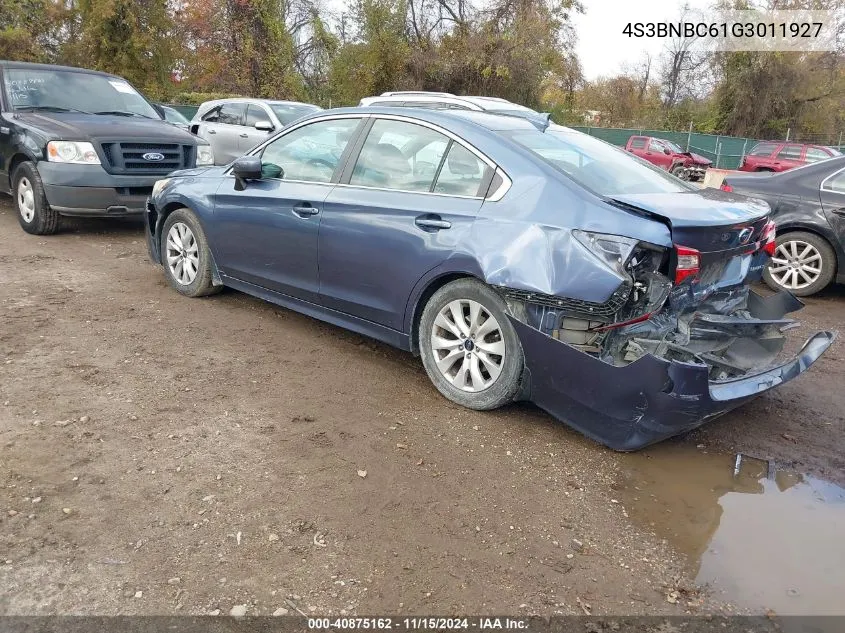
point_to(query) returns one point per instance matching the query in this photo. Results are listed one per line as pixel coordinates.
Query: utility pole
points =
(689, 135)
(788, 130)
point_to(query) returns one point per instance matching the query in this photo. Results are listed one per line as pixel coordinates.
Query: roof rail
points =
(416, 92)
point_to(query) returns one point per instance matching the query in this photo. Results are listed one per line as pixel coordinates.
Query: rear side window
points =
(762, 149)
(638, 142)
(835, 183)
(232, 113)
(399, 155)
(462, 173)
(814, 154)
(790, 152)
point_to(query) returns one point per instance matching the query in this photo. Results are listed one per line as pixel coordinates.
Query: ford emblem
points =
(154, 156)
(745, 235)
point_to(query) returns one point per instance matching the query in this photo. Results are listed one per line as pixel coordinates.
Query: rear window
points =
(815, 154)
(596, 165)
(762, 149)
(638, 143)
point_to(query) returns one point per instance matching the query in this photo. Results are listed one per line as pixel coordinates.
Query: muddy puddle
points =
(758, 537)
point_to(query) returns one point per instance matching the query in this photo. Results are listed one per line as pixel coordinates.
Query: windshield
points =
(596, 165)
(675, 148)
(73, 91)
(290, 112)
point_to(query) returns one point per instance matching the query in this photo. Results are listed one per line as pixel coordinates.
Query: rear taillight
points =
(688, 263)
(726, 187)
(768, 239)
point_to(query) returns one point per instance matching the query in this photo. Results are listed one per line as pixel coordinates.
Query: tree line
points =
(187, 51)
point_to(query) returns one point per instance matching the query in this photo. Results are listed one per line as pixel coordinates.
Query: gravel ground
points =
(163, 455)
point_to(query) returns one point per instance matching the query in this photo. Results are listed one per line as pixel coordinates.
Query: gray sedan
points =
(235, 126)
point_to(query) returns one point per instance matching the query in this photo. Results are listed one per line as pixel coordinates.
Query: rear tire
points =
(474, 358)
(186, 256)
(803, 263)
(35, 215)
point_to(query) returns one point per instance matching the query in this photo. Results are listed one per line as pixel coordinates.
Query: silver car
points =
(235, 126)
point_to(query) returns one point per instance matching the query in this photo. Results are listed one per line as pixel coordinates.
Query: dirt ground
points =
(165, 455)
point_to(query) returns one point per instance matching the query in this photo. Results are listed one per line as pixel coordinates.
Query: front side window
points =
(254, 114)
(60, 90)
(312, 152)
(596, 165)
(656, 146)
(814, 155)
(399, 155)
(790, 152)
(762, 149)
(232, 113)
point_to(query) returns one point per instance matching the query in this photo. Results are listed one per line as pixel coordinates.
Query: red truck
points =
(780, 156)
(669, 156)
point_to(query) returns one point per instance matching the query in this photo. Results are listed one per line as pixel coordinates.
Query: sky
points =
(603, 49)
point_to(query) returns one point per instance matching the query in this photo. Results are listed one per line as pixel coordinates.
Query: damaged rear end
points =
(682, 339)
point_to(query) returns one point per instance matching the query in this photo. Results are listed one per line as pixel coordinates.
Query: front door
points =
(832, 196)
(250, 136)
(410, 198)
(266, 232)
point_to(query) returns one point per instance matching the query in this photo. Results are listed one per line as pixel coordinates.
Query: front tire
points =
(186, 256)
(803, 263)
(469, 348)
(35, 215)
(678, 171)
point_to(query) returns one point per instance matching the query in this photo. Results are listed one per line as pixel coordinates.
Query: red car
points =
(780, 156)
(669, 156)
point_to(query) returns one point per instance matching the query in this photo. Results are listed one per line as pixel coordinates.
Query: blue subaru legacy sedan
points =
(520, 259)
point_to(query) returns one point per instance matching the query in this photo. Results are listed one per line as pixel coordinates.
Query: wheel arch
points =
(432, 286)
(18, 158)
(162, 215)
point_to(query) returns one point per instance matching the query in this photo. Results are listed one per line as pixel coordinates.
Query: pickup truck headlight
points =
(205, 156)
(76, 152)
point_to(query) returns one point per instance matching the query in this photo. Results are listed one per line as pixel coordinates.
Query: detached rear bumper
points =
(627, 408)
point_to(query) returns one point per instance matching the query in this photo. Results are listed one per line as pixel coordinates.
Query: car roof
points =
(482, 102)
(255, 100)
(488, 120)
(4, 63)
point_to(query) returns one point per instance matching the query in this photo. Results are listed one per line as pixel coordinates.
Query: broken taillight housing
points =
(688, 263)
(768, 239)
(613, 250)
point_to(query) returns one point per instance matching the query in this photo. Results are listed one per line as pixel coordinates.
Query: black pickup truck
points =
(77, 142)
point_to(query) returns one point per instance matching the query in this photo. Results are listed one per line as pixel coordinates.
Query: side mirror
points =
(667, 151)
(246, 168)
(264, 126)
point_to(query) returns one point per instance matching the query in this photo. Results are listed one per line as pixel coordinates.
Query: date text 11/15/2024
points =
(417, 623)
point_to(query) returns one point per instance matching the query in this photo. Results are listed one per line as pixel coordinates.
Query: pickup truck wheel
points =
(34, 213)
(186, 256)
(803, 263)
(678, 170)
(469, 348)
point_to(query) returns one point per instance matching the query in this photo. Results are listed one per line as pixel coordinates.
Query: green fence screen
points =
(725, 151)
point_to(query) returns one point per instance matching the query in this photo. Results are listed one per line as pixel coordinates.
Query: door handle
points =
(211, 132)
(305, 210)
(244, 135)
(432, 223)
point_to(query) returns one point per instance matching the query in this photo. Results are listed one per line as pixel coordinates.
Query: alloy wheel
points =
(182, 253)
(795, 264)
(26, 199)
(468, 345)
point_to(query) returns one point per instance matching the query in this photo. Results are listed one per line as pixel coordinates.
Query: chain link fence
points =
(726, 152)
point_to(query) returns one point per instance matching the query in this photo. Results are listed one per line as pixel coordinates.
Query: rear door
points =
(224, 131)
(400, 209)
(832, 194)
(788, 157)
(637, 145)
